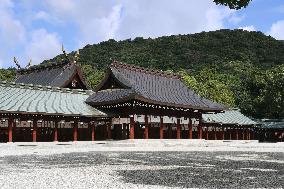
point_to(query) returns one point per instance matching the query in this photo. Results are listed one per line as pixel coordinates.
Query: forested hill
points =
(188, 51)
(240, 68)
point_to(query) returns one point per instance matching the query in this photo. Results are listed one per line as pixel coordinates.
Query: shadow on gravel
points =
(199, 169)
(173, 169)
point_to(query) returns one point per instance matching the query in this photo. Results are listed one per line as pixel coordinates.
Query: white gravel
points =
(50, 148)
(104, 175)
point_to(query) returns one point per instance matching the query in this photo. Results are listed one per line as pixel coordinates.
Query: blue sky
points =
(33, 29)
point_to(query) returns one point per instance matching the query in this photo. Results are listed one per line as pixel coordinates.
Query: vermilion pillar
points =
(93, 134)
(161, 128)
(131, 133)
(75, 131)
(170, 131)
(199, 132)
(124, 131)
(206, 133)
(34, 133)
(146, 131)
(248, 134)
(178, 128)
(223, 133)
(190, 129)
(109, 130)
(243, 134)
(10, 129)
(215, 133)
(55, 139)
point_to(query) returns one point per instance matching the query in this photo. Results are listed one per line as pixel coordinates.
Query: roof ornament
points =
(65, 54)
(76, 57)
(29, 64)
(17, 63)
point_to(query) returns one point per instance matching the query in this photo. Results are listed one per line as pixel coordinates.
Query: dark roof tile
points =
(156, 86)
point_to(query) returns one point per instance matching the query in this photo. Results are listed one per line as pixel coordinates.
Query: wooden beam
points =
(10, 128)
(161, 128)
(190, 129)
(131, 133)
(146, 131)
(178, 129)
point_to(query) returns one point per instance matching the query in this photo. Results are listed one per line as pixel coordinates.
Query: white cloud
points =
(42, 15)
(101, 20)
(42, 46)
(248, 28)
(12, 31)
(277, 30)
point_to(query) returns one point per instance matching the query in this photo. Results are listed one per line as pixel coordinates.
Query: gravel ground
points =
(142, 169)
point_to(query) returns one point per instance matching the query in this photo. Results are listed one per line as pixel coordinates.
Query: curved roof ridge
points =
(117, 64)
(40, 67)
(45, 88)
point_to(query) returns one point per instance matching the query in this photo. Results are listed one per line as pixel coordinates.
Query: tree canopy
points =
(234, 67)
(233, 4)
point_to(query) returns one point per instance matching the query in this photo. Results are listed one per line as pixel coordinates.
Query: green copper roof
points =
(21, 98)
(228, 117)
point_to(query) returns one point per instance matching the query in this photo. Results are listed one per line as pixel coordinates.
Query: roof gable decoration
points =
(151, 86)
(64, 74)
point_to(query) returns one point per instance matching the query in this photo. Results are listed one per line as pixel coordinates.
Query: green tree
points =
(233, 4)
(273, 93)
(207, 85)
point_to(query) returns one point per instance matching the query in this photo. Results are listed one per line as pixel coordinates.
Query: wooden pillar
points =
(146, 131)
(206, 133)
(237, 133)
(249, 131)
(93, 132)
(10, 129)
(223, 133)
(230, 133)
(215, 133)
(190, 129)
(170, 130)
(55, 139)
(75, 131)
(124, 131)
(34, 133)
(109, 130)
(252, 134)
(131, 133)
(161, 128)
(178, 128)
(199, 131)
(243, 134)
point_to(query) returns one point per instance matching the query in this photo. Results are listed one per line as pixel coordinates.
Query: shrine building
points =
(52, 102)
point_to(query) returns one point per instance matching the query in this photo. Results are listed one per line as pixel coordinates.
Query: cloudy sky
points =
(33, 29)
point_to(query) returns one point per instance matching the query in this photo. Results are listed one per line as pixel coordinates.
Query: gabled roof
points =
(230, 117)
(150, 86)
(46, 100)
(55, 75)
